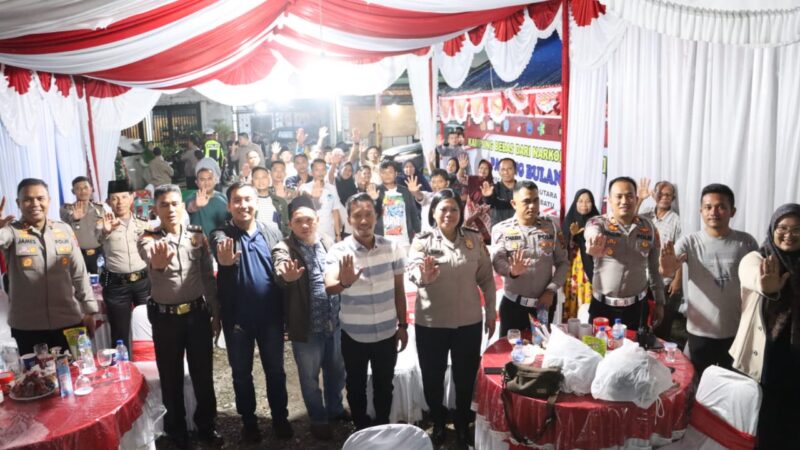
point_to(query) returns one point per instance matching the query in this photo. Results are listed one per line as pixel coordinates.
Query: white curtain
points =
(423, 93)
(697, 113)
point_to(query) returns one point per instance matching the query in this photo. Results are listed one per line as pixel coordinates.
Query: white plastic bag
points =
(578, 362)
(629, 374)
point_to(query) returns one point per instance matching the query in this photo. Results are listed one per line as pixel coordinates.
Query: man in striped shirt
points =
(367, 270)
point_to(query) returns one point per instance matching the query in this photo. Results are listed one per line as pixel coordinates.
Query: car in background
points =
(286, 136)
(403, 153)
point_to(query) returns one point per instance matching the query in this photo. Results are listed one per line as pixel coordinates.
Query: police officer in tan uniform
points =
(184, 313)
(49, 285)
(528, 252)
(626, 250)
(124, 280)
(84, 216)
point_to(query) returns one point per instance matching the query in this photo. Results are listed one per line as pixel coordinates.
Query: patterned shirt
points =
(368, 309)
(324, 307)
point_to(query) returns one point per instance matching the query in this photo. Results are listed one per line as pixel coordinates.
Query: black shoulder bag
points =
(532, 382)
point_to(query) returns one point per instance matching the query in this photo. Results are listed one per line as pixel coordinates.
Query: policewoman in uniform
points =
(49, 285)
(184, 312)
(626, 250)
(84, 216)
(124, 280)
(449, 264)
(528, 252)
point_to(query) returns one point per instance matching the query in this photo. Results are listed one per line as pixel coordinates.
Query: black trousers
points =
(174, 335)
(631, 316)
(704, 352)
(91, 260)
(672, 318)
(381, 356)
(120, 299)
(777, 421)
(26, 339)
(464, 346)
(515, 316)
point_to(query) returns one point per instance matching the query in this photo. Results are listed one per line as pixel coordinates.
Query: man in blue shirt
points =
(207, 207)
(251, 309)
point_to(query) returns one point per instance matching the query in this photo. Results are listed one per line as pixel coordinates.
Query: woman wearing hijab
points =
(767, 344)
(578, 289)
(409, 169)
(477, 211)
(345, 182)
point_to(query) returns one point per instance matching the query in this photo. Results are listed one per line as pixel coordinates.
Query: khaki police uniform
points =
(448, 315)
(183, 300)
(125, 279)
(542, 244)
(49, 284)
(85, 231)
(627, 270)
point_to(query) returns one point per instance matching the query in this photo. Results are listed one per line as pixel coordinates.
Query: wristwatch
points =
(344, 285)
(403, 325)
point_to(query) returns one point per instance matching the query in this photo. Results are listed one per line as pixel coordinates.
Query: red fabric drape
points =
(44, 79)
(585, 11)
(102, 89)
(18, 79)
(63, 83)
(451, 47)
(508, 27)
(715, 427)
(256, 65)
(564, 102)
(544, 13)
(476, 34)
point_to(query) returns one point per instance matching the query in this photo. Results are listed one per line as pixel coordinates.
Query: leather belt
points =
(111, 278)
(179, 309)
(620, 302)
(528, 302)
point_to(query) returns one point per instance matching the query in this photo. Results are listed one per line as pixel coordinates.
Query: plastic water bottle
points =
(618, 333)
(541, 315)
(601, 334)
(123, 361)
(518, 354)
(86, 355)
(64, 376)
(101, 264)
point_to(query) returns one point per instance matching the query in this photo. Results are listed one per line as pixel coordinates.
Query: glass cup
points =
(513, 336)
(585, 330)
(105, 357)
(83, 385)
(671, 348)
(11, 359)
(574, 326)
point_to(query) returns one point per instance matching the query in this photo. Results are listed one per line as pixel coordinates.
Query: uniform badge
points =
(194, 241)
(90, 252)
(644, 230)
(612, 227)
(469, 244)
(27, 263)
(611, 241)
(30, 251)
(64, 261)
(610, 251)
(645, 244)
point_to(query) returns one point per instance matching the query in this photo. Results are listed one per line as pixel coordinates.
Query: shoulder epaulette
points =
(424, 234)
(194, 228)
(474, 230)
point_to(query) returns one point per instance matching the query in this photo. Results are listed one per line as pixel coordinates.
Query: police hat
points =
(301, 201)
(117, 186)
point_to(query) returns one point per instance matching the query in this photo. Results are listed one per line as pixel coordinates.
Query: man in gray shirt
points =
(713, 298)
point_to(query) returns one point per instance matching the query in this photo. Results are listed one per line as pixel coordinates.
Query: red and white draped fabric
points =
(538, 101)
(241, 51)
(698, 91)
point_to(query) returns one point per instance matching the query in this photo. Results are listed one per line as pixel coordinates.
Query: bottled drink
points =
(618, 333)
(123, 363)
(86, 355)
(64, 376)
(541, 315)
(101, 263)
(601, 334)
(518, 354)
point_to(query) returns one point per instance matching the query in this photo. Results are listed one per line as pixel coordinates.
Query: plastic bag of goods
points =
(629, 374)
(578, 362)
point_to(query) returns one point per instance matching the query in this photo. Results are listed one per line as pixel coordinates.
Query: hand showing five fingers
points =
(772, 281)
(4, 220)
(226, 254)
(347, 271)
(429, 270)
(161, 255)
(519, 263)
(290, 271)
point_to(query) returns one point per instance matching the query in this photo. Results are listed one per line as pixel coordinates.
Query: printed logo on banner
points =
(506, 125)
(529, 128)
(541, 129)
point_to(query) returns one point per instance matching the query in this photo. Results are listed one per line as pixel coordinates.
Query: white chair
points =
(407, 437)
(733, 397)
(142, 338)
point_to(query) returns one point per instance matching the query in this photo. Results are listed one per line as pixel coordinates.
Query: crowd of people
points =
(316, 242)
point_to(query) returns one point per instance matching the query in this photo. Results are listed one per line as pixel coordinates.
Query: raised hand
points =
(596, 245)
(463, 161)
(347, 271)
(668, 262)
(355, 136)
(161, 255)
(201, 199)
(275, 149)
(429, 270)
(300, 136)
(110, 223)
(4, 220)
(290, 271)
(246, 170)
(79, 210)
(372, 191)
(487, 189)
(772, 281)
(574, 229)
(644, 191)
(323, 133)
(439, 140)
(518, 263)
(226, 254)
(412, 184)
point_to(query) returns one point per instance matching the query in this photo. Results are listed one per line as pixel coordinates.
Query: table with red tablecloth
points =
(582, 421)
(94, 421)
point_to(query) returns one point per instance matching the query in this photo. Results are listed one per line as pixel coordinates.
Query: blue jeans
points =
(241, 346)
(321, 352)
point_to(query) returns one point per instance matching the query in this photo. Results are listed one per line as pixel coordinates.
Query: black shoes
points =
(251, 434)
(465, 438)
(322, 431)
(438, 435)
(210, 438)
(180, 441)
(283, 429)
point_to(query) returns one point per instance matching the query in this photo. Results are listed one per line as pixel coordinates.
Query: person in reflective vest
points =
(212, 148)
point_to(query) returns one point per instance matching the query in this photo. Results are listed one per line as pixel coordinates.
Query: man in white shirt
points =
(398, 217)
(326, 200)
